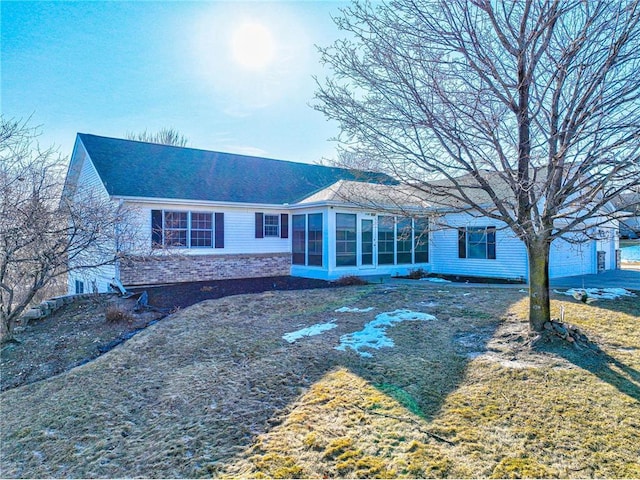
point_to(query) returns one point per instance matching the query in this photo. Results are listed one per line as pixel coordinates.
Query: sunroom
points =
(329, 243)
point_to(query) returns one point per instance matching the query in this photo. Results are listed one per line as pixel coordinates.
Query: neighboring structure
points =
(203, 215)
(629, 205)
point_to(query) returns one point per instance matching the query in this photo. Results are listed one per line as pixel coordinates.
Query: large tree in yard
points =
(43, 236)
(526, 112)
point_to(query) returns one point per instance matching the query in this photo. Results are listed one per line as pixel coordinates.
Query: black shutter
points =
(259, 225)
(491, 242)
(219, 225)
(284, 225)
(156, 228)
(462, 243)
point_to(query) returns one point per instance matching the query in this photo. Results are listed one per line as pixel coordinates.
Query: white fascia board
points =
(334, 203)
(277, 206)
(207, 203)
(320, 204)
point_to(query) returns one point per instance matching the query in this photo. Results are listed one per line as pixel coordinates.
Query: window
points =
(386, 240)
(345, 239)
(404, 241)
(299, 240)
(477, 242)
(79, 286)
(175, 229)
(421, 240)
(272, 225)
(315, 239)
(187, 229)
(201, 230)
(307, 239)
(401, 241)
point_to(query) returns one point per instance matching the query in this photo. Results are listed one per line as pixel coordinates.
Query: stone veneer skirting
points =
(196, 268)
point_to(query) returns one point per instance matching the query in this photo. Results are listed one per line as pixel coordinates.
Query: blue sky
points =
(231, 76)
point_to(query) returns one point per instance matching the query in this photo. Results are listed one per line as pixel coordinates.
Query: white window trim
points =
(189, 225)
(277, 225)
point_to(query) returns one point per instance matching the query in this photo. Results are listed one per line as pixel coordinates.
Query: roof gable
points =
(131, 168)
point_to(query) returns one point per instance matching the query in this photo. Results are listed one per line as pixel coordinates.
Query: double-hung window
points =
(201, 229)
(181, 229)
(271, 225)
(477, 242)
(175, 229)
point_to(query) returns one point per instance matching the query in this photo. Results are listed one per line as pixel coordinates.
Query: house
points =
(203, 215)
(629, 205)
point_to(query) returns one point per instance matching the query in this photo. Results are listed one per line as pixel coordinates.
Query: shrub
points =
(117, 315)
(349, 280)
(417, 274)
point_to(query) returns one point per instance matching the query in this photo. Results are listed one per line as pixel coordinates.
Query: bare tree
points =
(44, 236)
(525, 112)
(165, 136)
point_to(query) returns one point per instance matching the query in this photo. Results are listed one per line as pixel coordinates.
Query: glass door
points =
(366, 240)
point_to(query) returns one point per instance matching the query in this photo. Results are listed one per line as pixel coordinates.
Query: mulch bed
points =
(182, 295)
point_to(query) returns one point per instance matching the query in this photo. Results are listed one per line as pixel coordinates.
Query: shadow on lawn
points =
(428, 362)
(421, 377)
(596, 361)
(189, 396)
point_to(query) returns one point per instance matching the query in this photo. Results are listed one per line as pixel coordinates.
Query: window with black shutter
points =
(477, 242)
(187, 229)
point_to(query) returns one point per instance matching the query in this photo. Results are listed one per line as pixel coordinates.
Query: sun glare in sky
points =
(252, 46)
(249, 57)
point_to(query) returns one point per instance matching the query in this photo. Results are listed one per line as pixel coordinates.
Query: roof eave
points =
(190, 202)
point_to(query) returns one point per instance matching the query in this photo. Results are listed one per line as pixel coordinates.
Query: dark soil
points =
(182, 295)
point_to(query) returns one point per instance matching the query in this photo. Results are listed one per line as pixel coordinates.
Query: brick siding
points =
(196, 268)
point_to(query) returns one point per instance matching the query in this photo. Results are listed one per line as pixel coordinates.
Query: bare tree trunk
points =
(539, 304)
(5, 330)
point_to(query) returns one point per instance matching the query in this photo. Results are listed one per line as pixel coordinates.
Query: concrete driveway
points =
(629, 279)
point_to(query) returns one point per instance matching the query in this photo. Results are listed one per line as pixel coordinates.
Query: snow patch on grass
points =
(436, 280)
(598, 293)
(373, 335)
(428, 304)
(354, 310)
(316, 329)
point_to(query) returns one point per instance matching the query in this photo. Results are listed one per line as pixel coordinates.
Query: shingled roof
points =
(131, 168)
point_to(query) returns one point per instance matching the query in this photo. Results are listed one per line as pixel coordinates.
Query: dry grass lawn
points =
(214, 390)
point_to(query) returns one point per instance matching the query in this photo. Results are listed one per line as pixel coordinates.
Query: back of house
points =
(198, 215)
